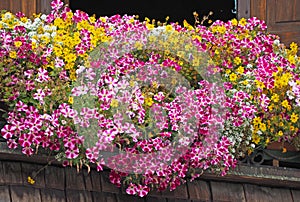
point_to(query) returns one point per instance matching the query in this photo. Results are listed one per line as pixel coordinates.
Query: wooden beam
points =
(243, 9)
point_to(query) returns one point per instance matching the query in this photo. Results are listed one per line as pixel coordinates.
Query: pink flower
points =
(11, 143)
(42, 75)
(28, 151)
(25, 139)
(92, 154)
(7, 131)
(72, 153)
(131, 189)
(39, 95)
(56, 5)
(142, 190)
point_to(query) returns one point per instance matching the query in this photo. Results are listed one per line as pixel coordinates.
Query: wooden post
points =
(243, 9)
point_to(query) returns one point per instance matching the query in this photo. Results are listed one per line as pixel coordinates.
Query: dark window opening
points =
(177, 10)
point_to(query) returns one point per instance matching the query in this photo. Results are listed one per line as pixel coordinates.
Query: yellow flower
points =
(187, 25)
(256, 120)
(13, 54)
(294, 47)
(169, 28)
(237, 60)
(30, 180)
(234, 22)
(240, 70)
(138, 45)
(221, 29)
(255, 139)
(284, 150)
(232, 77)
(18, 43)
(114, 103)
(285, 104)
(275, 97)
(245, 82)
(263, 127)
(294, 118)
(155, 84)
(150, 26)
(71, 100)
(280, 133)
(149, 101)
(267, 140)
(259, 84)
(243, 22)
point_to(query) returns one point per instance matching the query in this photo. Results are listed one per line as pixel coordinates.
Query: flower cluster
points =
(157, 104)
(261, 79)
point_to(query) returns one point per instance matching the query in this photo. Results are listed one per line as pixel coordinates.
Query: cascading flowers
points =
(157, 104)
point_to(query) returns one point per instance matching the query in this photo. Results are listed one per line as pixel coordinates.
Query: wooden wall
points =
(28, 7)
(281, 16)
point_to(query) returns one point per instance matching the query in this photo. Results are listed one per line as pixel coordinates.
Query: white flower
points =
(7, 16)
(249, 66)
(43, 17)
(276, 42)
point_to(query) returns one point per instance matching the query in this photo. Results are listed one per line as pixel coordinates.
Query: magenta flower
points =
(72, 153)
(42, 75)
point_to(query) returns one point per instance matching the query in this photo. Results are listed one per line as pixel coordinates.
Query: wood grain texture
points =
(52, 195)
(199, 190)
(104, 197)
(4, 194)
(262, 194)
(107, 186)
(55, 177)
(258, 9)
(74, 179)
(180, 192)
(26, 194)
(223, 191)
(12, 172)
(243, 10)
(76, 196)
(28, 169)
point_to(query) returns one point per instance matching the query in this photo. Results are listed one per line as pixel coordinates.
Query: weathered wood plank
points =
(223, 191)
(96, 180)
(74, 180)
(52, 195)
(127, 198)
(106, 185)
(5, 5)
(258, 9)
(179, 200)
(76, 196)
(261, 175)
(179, 193)
(199, 190)
(28, 169)
(88, 180)
(22, 193)
(12, 172)
(2, 179)
(55, 177)
(104, 197)
(243, 9)
(155, 199)
(296, 195)
(262, 194)
(4, 194)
